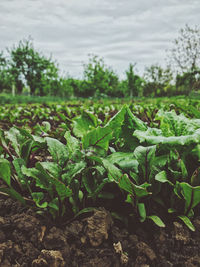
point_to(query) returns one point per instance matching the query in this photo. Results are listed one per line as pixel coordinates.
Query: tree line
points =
(24, 70)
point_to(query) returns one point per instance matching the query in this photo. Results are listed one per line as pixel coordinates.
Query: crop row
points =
(57, 114)
(139, 170)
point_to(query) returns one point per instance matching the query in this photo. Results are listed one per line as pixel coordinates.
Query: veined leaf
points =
(52, 168)
(98, 137)
(84, 123)
(191, 195)
(125, 160)
(174, 130)
(62, 190)
(41, 178)
(115, 173)
(145, 156)
(58, 151)
(130, 124)
(72, 143)
(72, 170)
(18, 137)
(116, 122)
(172, 124)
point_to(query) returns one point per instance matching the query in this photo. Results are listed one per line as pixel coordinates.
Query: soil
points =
(27, 240)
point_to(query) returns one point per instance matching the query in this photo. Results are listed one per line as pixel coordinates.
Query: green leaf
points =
(52, 169)
(135, 190)
(135, 177)
(145, 156)
(98, 189)
(171, 210)
(42, 179)
(5, 172)
(156, 220)
(46, 126)
(142, 211)
(72, 143)
(84, 123)
(115, 174)
(38, 197)
(18, 163)
(125, 160)
(183, 170)
(18, 137)
(116, 122)
(130, 124)
(53, 183)
(187, 222)
(191, 195)
(25, 149)
(89, 183)
(14, 194)
(154, 136)
(75, 185)
(54, 205)
(172, 124)
(86, 210)
(162, 178)
(57, 150)
(72, 170)
(98, 137)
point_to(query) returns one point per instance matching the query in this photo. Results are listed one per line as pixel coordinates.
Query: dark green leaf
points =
(5, 172)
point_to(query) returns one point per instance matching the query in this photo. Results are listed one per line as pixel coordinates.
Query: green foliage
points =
(157, 81)
(5, 77)
(134, 82)
(153, 172)
(184, 59)
(29, 68)
(99, 79)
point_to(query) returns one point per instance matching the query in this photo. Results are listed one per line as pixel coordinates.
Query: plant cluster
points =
(149, 171)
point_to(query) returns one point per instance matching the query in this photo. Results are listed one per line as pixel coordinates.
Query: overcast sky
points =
(122, 32)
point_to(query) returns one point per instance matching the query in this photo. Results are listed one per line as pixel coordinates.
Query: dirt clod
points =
(98, 226)
(181, 233)
(144, 249)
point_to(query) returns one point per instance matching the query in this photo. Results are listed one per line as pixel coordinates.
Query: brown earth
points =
(27, 240)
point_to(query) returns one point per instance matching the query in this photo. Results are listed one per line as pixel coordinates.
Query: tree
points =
(134, 82)
(157, 81)
(29, 68)
(98, 78)
(185, 59)
(185, 54)
(187, 82)
(5, 77)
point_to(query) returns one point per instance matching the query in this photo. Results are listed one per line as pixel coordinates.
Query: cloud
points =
(120, 31)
